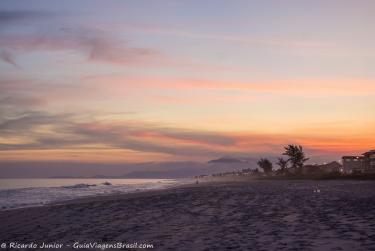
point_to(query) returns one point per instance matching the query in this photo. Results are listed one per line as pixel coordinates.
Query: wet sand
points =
(256, 215)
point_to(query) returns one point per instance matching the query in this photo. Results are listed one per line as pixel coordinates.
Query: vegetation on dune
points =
(294, 167)
(296, 157)
(266, 165)
(283, 164)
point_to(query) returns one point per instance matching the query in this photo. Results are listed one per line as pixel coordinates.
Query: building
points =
(353, 164)
(326, 168)
(364, 163)
(369, 160)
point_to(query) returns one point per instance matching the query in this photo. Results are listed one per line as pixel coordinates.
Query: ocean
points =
(18, 193)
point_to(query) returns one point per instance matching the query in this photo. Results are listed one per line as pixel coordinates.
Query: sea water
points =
(18, 193)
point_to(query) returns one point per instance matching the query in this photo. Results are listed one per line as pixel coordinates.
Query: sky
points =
(167, 80)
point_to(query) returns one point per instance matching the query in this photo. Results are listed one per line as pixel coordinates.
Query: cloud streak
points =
(42, 131)
(250, 40)
(8, 57)
(305, 87)
(8, 17)
(93, 44)
(127, 135)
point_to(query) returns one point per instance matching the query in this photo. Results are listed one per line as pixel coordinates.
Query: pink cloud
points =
(305, 87)
(145, 137)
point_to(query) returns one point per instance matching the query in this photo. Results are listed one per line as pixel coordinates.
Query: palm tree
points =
(282, 163)
(266, 165)
(296, 156)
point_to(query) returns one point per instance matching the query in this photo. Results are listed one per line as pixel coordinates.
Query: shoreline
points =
(213, 181)
(100, 197)
(225, 181)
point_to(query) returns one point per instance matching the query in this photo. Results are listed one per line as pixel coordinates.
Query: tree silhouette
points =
(296, 156)
(266, 165)
(282, 163)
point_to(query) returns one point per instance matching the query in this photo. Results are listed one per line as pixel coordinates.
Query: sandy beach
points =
(257, 215)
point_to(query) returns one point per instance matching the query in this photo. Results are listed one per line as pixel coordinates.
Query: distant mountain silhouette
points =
(179, 169)
(225, 160)
(171, 174)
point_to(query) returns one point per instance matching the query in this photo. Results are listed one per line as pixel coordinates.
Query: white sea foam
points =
(56, 190)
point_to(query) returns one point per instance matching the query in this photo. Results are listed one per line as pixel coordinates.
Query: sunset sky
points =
(139, 81)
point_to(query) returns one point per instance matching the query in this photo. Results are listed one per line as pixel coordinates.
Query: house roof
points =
(371, 151)
(332, 165)
(352, 157)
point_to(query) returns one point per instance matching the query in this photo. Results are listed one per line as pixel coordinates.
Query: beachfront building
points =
(353, 164)
(364, 163)
(369, 160)
(326, 168)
